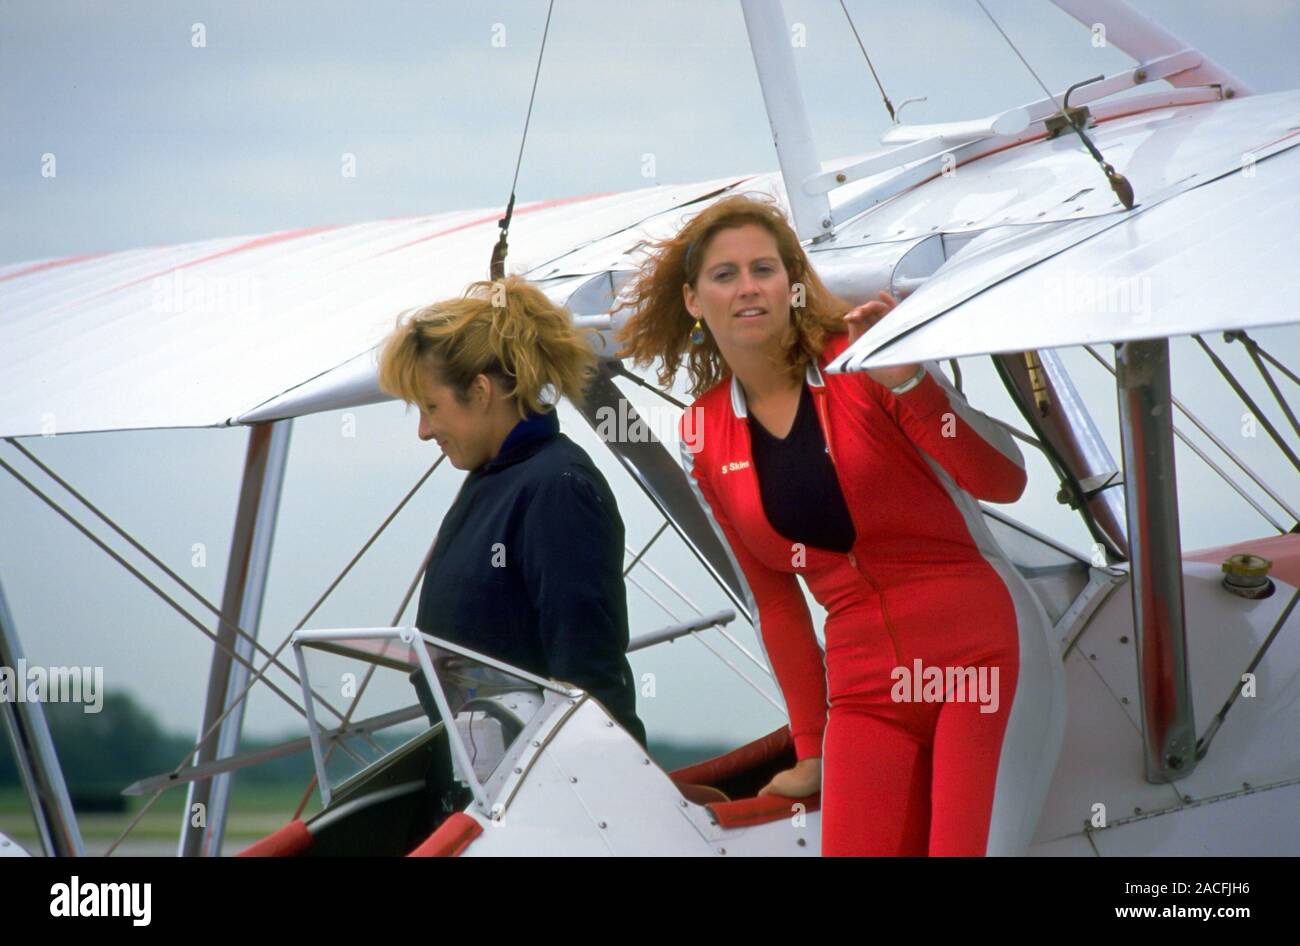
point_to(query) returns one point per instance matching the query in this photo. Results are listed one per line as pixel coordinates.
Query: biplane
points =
(1111, 216)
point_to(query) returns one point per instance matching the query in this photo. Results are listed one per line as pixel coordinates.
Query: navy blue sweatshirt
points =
(528, 568)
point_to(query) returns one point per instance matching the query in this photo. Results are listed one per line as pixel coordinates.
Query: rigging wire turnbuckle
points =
(1038, 383)
(497, 267)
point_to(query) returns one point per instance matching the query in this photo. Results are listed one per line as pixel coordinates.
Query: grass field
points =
(255, 811)
(257, 808)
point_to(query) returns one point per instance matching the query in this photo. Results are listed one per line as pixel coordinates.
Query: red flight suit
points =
(934, 738)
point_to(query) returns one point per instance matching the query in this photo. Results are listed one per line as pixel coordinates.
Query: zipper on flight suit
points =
(819, 400)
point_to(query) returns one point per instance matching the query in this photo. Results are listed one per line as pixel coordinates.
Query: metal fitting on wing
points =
(1247, 575)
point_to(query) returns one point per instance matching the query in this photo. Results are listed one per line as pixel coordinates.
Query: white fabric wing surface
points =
(1213, 250)
(199, 334)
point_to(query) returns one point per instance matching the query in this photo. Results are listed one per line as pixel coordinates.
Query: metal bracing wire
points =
(696, 608)
(1249, 402)
(645, 548)
(139, 575)
(143, 550)
(639, 557)
(740, 673)
(620, 370)
(1253, 350)
(497, 266)
(1020, 434)
(1224, 474)
(713, 650)
(278, 650)
(1254, 477)
(655, 598)
(1123, 190)
(624, 372)
(1203, 744)
(889, 106)
(370, 672)
(1267, 357)
(663, 579)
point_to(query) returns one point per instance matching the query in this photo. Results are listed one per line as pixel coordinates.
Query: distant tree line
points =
(102, 753)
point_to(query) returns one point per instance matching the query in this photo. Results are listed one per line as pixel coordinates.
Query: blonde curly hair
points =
(507, 329)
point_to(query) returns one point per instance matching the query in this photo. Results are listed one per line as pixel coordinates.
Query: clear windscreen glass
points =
(381, 681)
(368, 681)
(490, 707)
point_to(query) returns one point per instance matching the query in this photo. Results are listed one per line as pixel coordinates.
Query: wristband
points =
(910, 382)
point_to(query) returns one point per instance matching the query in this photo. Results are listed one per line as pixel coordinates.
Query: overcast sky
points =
(160, 142)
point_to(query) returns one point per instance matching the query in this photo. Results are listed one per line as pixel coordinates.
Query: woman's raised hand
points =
(800, 782)
(868, 314)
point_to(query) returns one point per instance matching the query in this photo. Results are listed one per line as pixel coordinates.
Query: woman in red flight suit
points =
(946, 700)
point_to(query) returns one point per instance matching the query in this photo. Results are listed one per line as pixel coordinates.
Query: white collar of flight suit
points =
(812, 374)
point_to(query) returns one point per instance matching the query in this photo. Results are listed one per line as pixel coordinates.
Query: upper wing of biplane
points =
(202, 334)
(1050, 259)
(245, 329)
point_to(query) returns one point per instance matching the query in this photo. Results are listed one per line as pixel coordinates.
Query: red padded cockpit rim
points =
(746, 811)
(451, 838)
(747, 757)
(290, 841)
(761, 809)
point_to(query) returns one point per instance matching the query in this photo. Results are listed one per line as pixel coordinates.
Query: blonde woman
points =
(527, 566)
(866, 486)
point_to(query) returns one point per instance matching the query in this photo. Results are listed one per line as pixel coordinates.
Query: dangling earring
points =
(697, 334)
